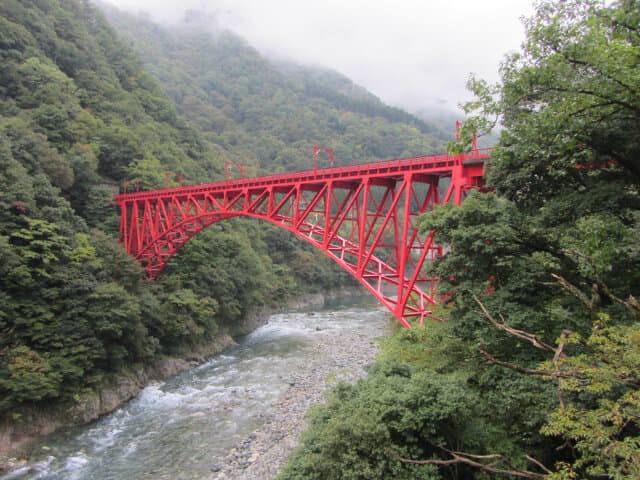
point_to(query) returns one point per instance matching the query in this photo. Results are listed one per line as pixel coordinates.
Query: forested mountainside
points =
(535, 371)
(269, 116)
(79, 113)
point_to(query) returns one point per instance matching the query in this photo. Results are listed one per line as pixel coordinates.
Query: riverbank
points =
(32, 422)
(339, 355)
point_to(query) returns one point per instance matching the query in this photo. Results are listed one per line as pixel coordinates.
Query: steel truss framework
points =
(363, 216)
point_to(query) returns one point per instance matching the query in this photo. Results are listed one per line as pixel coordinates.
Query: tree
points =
(569, 102)
(396, 409)
(26, 376)
(559, 250)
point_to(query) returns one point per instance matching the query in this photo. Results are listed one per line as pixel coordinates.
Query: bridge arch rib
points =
(364, 217)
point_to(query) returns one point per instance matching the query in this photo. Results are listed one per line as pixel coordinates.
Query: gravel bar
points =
(341, 356)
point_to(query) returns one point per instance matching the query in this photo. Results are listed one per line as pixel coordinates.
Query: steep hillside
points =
(79, 113)
(265, 115)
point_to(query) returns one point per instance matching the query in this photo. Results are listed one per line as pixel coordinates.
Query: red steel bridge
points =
(363, 216)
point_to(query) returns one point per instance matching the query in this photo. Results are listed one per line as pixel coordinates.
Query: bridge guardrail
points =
(360, 168)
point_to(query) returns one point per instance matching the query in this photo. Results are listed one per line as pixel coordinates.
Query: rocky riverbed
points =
(340, 355)
(32, 421)
(237, 416)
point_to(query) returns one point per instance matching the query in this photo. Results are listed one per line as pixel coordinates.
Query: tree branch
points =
(518, 368)
(472, 460)
(632, 304)
(593, 94)
(558, 352)
(595, 105)
(575, 291)
(539, 464)
(558, 355)
(616, 23)
(530, 337)
(593, 68)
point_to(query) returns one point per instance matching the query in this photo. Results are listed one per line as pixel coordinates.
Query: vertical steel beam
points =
(328, 202)
(362, 222)
(404, 250)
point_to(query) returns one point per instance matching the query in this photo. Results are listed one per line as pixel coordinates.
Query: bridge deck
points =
(439, 163)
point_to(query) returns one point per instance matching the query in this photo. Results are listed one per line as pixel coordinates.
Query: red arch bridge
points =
(363, 216)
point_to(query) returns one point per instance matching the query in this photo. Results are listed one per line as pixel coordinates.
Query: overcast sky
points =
(410, 53)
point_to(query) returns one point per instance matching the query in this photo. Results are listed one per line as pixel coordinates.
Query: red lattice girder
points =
(363, 216)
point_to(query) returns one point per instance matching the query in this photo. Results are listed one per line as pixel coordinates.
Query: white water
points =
(180, 428)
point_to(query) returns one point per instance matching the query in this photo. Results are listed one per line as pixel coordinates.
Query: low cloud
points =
(410, 53)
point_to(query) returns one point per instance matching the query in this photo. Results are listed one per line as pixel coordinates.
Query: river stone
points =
(264, 452)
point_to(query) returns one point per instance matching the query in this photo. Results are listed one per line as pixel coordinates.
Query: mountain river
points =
(237, 416)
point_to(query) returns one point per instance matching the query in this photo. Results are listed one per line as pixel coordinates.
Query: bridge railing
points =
(360, 168)
(399, 162)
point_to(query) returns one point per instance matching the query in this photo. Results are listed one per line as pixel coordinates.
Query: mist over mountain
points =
(412, 54)
(264, 114)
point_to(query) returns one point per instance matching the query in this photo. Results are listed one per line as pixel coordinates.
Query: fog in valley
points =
(414, 54)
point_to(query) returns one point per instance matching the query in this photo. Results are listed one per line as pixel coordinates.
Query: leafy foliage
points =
(395, 409)
(602, 425)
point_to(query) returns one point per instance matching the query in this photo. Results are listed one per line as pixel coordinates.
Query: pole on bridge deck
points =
(169, 174)
(474, 145)
(227, 166)
(126, 185)
(317, 149)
